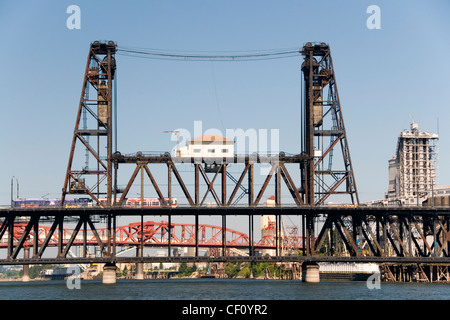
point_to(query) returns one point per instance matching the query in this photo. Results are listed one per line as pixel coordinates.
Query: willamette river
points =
(222, 289)
(223, 299)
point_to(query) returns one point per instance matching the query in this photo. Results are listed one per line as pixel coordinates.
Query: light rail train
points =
(88, 202)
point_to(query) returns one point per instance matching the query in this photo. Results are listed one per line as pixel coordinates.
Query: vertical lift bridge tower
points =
(94, 120)
(323, 133)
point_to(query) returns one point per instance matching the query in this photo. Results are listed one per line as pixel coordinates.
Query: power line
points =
(153, 54)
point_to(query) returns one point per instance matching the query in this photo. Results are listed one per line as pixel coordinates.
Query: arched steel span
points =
(155, 234)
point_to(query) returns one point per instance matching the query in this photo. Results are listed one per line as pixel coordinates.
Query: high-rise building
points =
(412, 171)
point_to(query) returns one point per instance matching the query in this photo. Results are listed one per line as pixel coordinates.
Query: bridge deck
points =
(166, 259)
(415, 234)
(232, 211)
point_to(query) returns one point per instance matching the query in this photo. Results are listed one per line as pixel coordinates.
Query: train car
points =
(88, 202)
(42, 203)
(148, 203)
(32, 203)
(77, 202)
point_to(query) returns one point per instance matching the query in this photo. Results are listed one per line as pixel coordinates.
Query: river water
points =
(222, 299)
(221, 289)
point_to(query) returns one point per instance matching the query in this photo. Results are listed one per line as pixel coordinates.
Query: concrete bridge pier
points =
(109, 273)
(139, 271)
(139, 266)
(310, 272)
(26, 267)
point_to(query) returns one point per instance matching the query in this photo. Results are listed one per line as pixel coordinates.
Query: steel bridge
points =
(323, 169)
(376, 234)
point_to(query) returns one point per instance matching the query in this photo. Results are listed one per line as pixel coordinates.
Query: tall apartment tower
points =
(412, 172)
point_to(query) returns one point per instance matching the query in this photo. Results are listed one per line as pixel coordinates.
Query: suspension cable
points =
(156, 54)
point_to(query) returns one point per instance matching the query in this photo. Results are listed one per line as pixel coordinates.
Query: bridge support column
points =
(139, 271)
(26, 267)
(139, 265)
(109, 273)
(310, 272)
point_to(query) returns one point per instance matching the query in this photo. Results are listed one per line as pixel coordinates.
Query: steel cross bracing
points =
(278, 170)
(401, 235)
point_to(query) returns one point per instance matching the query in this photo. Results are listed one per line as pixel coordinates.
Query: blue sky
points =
(383, 77)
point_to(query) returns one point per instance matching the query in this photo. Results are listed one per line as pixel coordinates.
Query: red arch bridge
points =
(143, 234)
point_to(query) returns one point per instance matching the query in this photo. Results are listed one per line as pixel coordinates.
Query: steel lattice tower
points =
(95, 102)
(323, 130)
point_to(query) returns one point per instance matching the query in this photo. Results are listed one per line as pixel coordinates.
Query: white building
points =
(208, 146)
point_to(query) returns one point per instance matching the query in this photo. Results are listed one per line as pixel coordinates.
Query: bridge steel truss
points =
(321, 118)
(397, 235)
(368, 234)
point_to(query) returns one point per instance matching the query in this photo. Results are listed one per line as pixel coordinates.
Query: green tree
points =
(232, 269)
(245, 271)
(185, 271)
(182, 268)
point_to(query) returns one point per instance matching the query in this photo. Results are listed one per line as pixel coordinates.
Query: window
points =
(224, 150)
(197, 150)
(212, 150)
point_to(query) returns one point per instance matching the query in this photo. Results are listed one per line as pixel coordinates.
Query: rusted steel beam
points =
(266, 182)
(10, 237)
(210, 185)
(419, 231)
(197, 184)
(250, 185)
(389, 236)
(291, 185)
(372, 238)
(44, 244)
(129, 184)
(4, 225)
(277, 186)
(224, 184)
(155, 185)
(97, 237)
(183, 186)
(73, 236)
(166, 158)
(238, 185)
(169, 182)
(323, 232)
(23, 238)
(346, 236)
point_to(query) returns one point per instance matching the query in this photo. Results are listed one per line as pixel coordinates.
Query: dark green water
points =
(221, 289)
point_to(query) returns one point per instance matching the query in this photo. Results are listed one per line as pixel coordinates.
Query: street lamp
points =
(12, 192)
